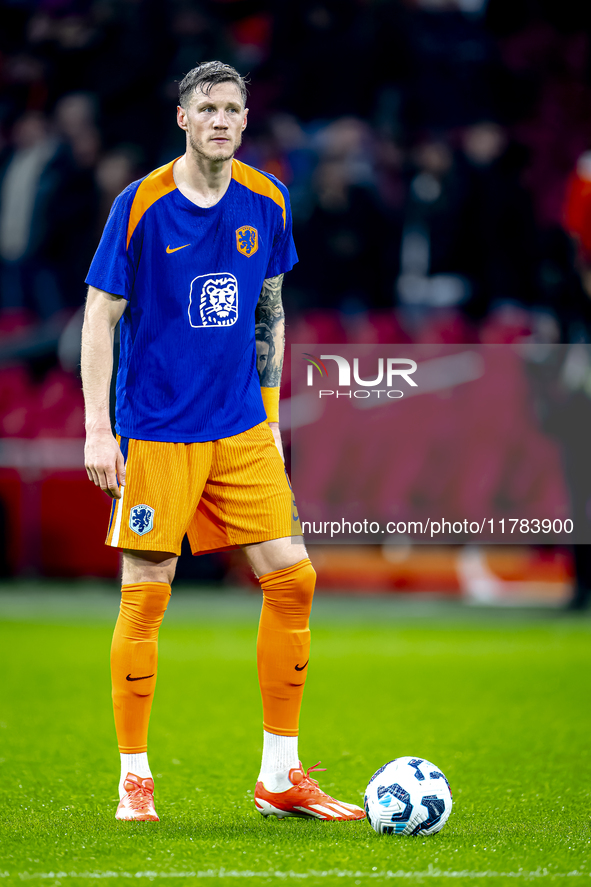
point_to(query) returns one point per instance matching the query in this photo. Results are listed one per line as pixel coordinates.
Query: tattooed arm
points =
(270, 332)
(270, 340)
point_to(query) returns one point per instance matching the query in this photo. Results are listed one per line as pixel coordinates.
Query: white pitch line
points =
(431, 872)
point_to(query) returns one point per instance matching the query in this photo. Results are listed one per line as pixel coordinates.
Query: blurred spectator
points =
(547, 56)
(431, 247)
(342, 243)
(114, 172)
(47, 209)
(561, 380)
(324, 60)
(577, 215)
(75, 120)
(72, 242)
(499, 240)
(30, 181)
(453, 65)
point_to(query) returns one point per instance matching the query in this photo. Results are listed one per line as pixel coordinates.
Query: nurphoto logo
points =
(390, 371)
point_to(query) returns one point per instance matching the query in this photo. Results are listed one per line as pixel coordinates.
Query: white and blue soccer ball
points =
(408, 796)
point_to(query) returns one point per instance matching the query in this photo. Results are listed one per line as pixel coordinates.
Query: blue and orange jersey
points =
(192, 278)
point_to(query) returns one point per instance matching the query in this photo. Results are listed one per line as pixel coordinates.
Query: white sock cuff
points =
(136, 764)
(280, 753)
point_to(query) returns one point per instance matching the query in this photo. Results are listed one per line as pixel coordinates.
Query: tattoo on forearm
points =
(270, 332)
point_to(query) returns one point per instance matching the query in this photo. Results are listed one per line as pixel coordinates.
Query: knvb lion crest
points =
(141, 519)
(213, 300)
(247, 240)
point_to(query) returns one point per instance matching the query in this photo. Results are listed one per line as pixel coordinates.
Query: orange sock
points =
(283, 645)
(134, 661)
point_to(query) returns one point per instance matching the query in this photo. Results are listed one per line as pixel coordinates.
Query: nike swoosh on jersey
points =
(142, 678)
(177, 248)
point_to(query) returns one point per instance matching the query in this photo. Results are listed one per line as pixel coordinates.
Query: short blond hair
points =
(205, 76)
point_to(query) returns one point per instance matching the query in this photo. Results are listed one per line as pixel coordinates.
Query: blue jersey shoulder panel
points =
(192, 277)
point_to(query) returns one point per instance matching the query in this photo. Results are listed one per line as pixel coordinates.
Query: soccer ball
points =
(408, 796)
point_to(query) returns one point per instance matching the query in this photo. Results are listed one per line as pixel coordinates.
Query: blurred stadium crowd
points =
(427, 144)
(435, 152)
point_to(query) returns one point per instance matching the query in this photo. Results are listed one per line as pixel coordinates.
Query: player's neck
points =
(202, 181)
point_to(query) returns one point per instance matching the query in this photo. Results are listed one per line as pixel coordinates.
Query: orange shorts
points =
(220, 493)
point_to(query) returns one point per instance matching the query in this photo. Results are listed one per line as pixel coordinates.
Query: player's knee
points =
(144, 606)
(307, 583)
(148, 566)
(292, 588)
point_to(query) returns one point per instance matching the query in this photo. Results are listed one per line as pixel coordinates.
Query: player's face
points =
(262, 356)
(214, 123)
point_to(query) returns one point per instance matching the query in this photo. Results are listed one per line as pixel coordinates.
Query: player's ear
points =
(245, 119)
(181, 117)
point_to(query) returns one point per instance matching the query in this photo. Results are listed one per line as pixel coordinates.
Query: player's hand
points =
(274, 426)
(104, 462)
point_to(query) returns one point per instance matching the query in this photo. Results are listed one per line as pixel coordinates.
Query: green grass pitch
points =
(500, 701)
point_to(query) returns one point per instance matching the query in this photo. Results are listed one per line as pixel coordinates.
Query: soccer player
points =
(191, 259)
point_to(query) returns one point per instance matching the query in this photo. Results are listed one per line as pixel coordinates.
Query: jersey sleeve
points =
(113, 267)
(283, 254)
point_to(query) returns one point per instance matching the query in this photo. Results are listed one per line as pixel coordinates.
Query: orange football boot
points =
(138, 801)
(303, 799)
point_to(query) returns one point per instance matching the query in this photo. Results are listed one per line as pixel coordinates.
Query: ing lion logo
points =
(213, 300)
(247, 240)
